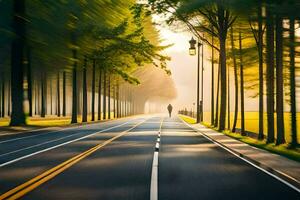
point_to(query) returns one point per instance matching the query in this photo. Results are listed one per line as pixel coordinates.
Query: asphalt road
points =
(116, 160)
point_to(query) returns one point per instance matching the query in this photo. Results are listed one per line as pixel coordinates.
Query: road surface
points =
(143, 157)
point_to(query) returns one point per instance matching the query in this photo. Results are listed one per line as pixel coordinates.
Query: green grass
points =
(282, 150)
(48, 121)
(188, 119)
(4, 122)
(252, 123)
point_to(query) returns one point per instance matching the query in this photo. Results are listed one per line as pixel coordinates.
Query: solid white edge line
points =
(247, 161)
(37, 145)
(56, 146)
(53, 131)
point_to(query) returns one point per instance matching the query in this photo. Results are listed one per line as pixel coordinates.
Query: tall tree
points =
(109, 97)
(259, 39)
(280, 139)
(228, 100)
(74, 88)
(242, 86)
(64, 112)
(217, 97)
(294, 141)
(104, 94)
(17, 69)
(43, 94)
(99, 94)
(118, 99)
(260, 44)
(58, 94)
(3, 97)
(93, 89)
(212, 106)
(270, 73)
(236, 83)
(29, 79)
(84, 91)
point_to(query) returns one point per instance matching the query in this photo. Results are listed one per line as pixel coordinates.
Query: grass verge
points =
(48, 121)
(283, 150)
(188, 119)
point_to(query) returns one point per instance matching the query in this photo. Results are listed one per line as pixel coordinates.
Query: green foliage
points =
(111, 32)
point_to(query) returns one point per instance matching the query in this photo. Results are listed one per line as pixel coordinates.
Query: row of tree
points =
(254, 35)
(67, 53)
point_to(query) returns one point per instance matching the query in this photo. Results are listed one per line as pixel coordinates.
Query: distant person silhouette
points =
(170, 108)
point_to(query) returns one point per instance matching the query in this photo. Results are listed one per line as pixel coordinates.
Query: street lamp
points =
(192, 49)
(193, 52)
(194, 109)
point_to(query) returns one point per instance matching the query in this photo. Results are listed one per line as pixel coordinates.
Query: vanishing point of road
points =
(139, 158)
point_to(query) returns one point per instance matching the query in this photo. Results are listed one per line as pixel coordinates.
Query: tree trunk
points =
(198, 118)
(270, 75)
(74, 88)
(218, 98)
(122, 103)
(261, 74)
(212, 83)
(115, 96)
(118, 100)
(84, 92)
(93, 89)
(228, 98)
(125, 102)
(17, 52)
(43, 94)
(29, 80)
(294, 141)
(36, 100)
(242, 87)
(236, 83)
(51, 97)
(280, 139)
(79, 97)
(64, 94)
(3, 97)
(104, 95)
(58, 94)
(202, 83)
(223, 84)
(8, 98)
(109, 109)
(99, 95)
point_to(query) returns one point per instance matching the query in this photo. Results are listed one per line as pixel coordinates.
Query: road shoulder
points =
(284, 168)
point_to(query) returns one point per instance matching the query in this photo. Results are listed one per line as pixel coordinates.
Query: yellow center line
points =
(30, 185)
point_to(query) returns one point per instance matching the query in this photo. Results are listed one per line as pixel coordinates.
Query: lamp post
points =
(194, 109)
(193, 52)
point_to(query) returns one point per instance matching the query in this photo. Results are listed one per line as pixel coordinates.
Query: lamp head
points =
(192, 50)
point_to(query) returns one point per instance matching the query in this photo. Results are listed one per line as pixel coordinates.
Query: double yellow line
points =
(30, 185)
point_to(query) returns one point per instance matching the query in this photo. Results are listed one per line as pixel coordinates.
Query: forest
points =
(86, 59)
(256, 42)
